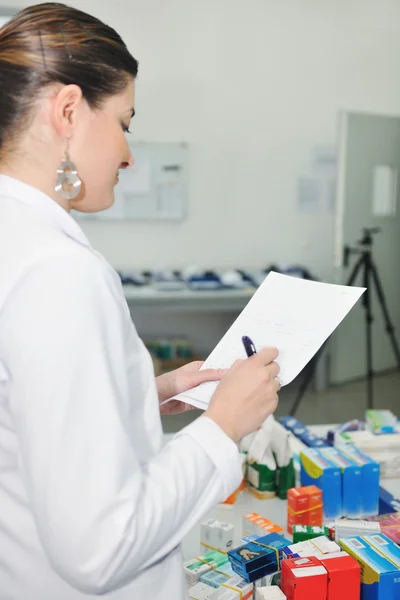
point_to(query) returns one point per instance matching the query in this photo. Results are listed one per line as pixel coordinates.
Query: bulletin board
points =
(155, 188)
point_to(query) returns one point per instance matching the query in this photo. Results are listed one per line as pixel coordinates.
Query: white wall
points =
(252, 86)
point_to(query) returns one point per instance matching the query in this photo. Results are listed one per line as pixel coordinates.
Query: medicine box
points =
(370, 475)
(318, 470)
(253, 556)
(304, 506)
(300, 549)
(255, 524)
(387, 502)
(344, 575)
(274, 541)
(301, 533)
(304, 579)
(302, 433)
(314, 547)
(380, 580)
(197, 567)
(214, 579)
(390, 525)
(346, 528)
(270, 593)
(194, 569)
(215, 535)
(234, 589)
(386, 547)
(200, 591)
(351, 482)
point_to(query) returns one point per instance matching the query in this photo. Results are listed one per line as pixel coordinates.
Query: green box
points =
(301, 533)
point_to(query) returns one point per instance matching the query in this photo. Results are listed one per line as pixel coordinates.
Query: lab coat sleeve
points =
(102, 515)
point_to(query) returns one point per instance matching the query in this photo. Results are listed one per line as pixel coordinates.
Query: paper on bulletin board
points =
(309, 194)
(385, 189)
(170, 200)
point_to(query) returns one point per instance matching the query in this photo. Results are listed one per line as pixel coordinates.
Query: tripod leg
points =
(369, 321)
(313, 366)
(307, 380)
(385, 311)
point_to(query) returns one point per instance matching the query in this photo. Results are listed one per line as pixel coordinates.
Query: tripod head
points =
(368, 232)
(364, 245)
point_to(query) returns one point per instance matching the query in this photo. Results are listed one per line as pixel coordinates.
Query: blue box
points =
(370, 475)
(351, 482)
(274, 540)
(250, 557)
(255, 575)
(380, 580)
(387, 502)
(303, 433)
(250, 538)
(214, 579)
(318, 470)
(384, 545)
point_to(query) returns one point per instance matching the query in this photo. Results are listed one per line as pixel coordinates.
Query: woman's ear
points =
(66, 104)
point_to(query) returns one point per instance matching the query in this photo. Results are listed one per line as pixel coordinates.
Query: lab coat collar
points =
(48, 207)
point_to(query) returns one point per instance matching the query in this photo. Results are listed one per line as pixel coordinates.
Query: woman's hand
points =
(181, 380)
(247, 395)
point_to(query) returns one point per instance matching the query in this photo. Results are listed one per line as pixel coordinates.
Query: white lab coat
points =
(90, 502)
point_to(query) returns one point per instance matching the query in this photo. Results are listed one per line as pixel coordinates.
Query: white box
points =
(347, 528)
(223, 593)
(216, 535)
(270, 593)
(194, 569)
(200, 591)
(324, 545)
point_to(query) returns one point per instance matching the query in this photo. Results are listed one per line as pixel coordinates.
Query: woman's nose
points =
(129, 163)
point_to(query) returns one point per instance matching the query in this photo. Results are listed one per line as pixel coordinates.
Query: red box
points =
(344, 574)
(304, 506)
(304, 579)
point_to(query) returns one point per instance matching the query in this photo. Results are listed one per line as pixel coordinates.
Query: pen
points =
(248, 346)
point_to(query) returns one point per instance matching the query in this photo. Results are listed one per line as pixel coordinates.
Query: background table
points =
(273, 509)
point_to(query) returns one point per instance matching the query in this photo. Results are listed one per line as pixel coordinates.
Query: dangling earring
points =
(68, 182)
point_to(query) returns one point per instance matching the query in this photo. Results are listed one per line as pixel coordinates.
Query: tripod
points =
(370, 278)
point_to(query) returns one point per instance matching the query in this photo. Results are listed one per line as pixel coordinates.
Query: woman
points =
(90, 502)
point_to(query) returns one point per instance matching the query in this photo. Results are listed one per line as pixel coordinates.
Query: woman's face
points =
(99, 149)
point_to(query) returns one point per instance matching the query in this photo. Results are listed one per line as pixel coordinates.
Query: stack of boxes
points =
(259, 558)
(313, 547)
(255, 524)
(351, 484)
(331, 577)
(304, 507)
(215, 535)
(195, 568)
(379, 559)
(349, 480)
(389, 525)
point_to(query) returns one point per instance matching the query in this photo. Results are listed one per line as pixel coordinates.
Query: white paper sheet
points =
(294, 315)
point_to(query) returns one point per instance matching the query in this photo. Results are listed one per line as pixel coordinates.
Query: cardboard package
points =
(304, 506)
(380, 579)
(318, 470)
(304, 579)
(344, 576)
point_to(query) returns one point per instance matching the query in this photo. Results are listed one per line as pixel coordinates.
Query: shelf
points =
(147, 298)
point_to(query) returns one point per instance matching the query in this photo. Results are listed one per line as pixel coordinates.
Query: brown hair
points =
(50, 43)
